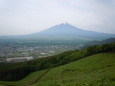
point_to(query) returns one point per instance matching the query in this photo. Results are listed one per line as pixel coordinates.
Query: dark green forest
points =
(17, 71)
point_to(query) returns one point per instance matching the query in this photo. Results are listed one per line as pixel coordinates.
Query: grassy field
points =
(26, 81)
(95, 70)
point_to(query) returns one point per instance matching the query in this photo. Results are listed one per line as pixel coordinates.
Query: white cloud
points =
(29, 16)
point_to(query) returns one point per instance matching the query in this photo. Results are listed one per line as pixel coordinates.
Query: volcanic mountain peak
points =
(63, 22)
(66, 30)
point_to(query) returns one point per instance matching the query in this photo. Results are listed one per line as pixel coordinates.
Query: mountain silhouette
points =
(64, 30)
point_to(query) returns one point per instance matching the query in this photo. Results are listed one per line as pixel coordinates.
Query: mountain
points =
(110, 40)
(95, 42)
(66, 30)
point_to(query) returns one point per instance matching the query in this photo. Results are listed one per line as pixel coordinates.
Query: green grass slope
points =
(95, 70)
(25, 81)
(17, 71)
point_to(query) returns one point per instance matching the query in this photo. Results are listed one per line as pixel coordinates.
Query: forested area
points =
(17, 71)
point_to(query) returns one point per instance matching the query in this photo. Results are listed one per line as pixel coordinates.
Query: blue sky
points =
(19, 17)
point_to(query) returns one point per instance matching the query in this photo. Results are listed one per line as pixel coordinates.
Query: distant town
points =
(18, 51)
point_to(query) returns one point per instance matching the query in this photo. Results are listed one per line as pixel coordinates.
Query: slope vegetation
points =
(17, 71)
(95, 70)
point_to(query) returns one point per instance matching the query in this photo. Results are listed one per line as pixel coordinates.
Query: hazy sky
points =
(29, 16)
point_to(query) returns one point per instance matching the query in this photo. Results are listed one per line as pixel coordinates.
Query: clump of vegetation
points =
(17, 71)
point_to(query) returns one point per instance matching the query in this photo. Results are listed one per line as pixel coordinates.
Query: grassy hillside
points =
(95, 70)
(17, 71)
(25, 81)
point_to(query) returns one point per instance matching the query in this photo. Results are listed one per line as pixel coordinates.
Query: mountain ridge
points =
(96, 42)
(66, 30)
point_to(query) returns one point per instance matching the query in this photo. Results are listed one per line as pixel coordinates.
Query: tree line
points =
(17, 71)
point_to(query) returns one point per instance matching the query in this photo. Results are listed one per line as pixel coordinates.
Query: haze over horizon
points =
(19, 17)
